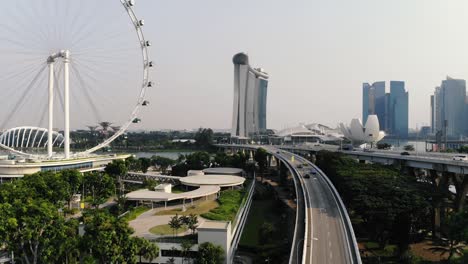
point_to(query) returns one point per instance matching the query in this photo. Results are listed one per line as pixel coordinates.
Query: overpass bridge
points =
(440, 169)
(323, 232)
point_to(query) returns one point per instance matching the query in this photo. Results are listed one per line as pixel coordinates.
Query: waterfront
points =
(171, 155)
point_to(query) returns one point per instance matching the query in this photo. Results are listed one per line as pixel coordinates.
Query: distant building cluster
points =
(391, 108)
(449, 109)
(250, 95)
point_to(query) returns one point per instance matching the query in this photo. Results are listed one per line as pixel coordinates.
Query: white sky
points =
(318, 54)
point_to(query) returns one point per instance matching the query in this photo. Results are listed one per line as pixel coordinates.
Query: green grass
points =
(135, 212)
(178, 189)
(230, 202)
(166, 230)
(198, 209)
(259, 212)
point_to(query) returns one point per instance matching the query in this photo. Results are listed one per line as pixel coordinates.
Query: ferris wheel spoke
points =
(89, 98)
(108, 64)
(9, 90)
(22, 97)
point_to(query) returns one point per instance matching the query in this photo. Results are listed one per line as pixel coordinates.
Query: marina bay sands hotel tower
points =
(250, 97)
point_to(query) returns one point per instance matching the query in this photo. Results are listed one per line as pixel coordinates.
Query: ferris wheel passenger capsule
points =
(150, 64)
(141, 23)
(136, 120)
(131, 2)
(150, 84)
(145, 103)
(147, 43)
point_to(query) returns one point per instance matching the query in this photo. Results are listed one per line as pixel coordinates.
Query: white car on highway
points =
(460, 158)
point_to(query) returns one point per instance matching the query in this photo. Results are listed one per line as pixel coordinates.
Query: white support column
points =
(51, 109)
(66, 62)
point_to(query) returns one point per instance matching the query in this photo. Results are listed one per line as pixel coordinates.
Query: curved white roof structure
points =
(146, 195)
(29, 137)
(357, 133)
(217, 180)
(223, 171)
(315, 130)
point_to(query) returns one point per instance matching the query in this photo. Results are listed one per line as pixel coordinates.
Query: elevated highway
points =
(441, 162)
(323, 231)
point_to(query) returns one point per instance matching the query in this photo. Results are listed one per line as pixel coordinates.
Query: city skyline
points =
(318, 56)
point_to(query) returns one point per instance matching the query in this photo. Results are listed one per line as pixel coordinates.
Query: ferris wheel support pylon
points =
(65, 55)
(66, 63)
(51, 110)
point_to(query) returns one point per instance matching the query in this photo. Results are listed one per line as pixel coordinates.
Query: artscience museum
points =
(360, 134)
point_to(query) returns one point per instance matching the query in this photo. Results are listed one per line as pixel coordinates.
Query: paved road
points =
(327, 241)
(326, 238)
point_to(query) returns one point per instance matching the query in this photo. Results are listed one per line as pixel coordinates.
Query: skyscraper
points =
(391, 108)
(448, 108)
(250, 95)
(373, 102)
(398, 110)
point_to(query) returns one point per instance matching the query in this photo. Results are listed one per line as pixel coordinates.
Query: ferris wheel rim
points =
(147, 64)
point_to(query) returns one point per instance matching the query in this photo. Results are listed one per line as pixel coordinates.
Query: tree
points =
(383, 146)
(266, 232)
(261, 157)
(390, 204)
(209, 253)
(175, 223)
(146, 249)
(457, 226)
(409, 148)
(150, 184)
(204, 138)
(116, 168)
(101, 186)
(239, 160)
(28, 228)
(186, 246)
(74, 179)
(197, 160)
(46, 185)
(162, 162)
(222, 159)
(145, 163)
(133, 164)
(108, 237)
(192, 222)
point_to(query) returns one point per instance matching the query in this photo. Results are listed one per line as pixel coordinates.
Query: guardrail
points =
(294, 241)
(239, 221)
(351, 238)
(296, 185)
(352, 242)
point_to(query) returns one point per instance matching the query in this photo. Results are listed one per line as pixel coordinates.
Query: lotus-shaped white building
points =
(359, 134)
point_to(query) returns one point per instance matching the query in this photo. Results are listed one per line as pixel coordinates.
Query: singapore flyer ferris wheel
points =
(67, 66)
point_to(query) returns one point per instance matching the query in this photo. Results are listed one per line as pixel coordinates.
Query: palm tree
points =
(192, 222)
(450, 247)
(185, 248)
(210, 253)
(175, 223)
(151, 251)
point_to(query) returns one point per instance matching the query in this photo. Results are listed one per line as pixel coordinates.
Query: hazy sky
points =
(318, 54)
